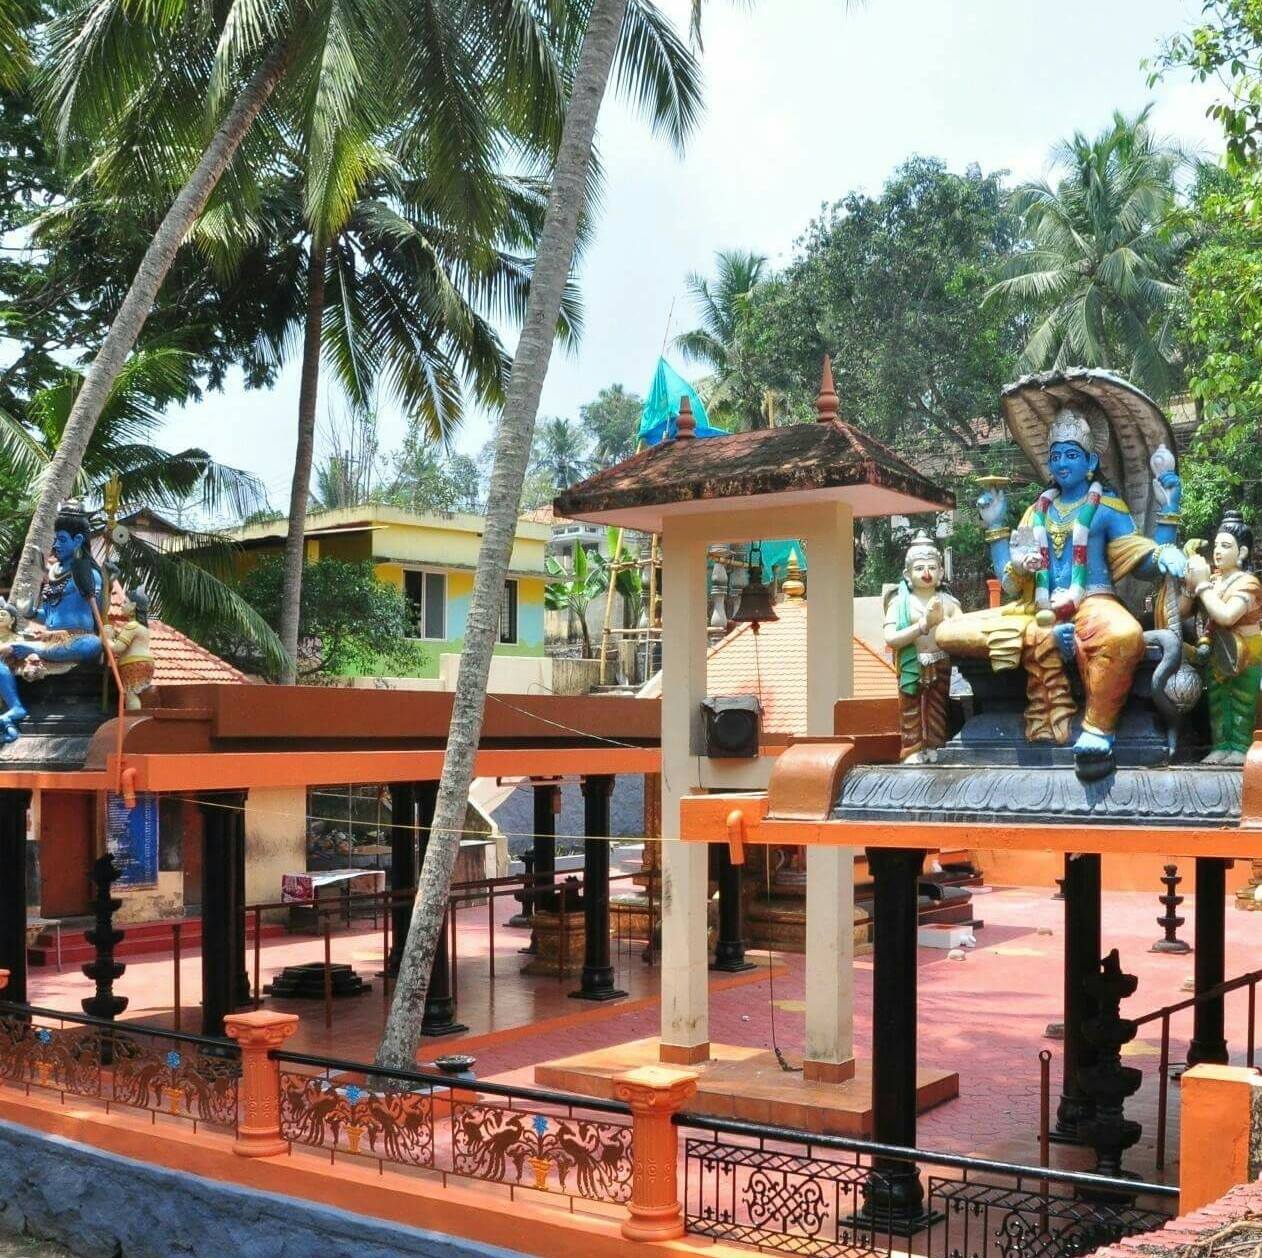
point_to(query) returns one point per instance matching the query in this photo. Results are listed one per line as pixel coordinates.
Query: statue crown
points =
(1071, 425)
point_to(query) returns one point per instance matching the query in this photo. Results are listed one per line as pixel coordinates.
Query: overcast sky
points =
(805, 101)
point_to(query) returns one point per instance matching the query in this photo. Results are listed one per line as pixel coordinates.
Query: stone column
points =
(597, 978)
(13, 805)
(440, 1002)
(1208, 1043)
(685, 1026)
(729, 948)
(655, 1094)
(403, 867)
(893, 1195)
(829, 1043)
(1081, 890)
(258, 1032)
(223, 936)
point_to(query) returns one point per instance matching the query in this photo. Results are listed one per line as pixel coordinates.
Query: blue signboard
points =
(132, 838)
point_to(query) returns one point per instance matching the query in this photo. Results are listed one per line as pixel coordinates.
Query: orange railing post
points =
(655, 1094)
(258, 1032)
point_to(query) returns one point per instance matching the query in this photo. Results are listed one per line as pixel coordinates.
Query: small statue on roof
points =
(128, 637)
(914, 612)
(61, 631)
(1229, 624)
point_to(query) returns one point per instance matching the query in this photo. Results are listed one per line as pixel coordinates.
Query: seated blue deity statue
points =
(61, 631)
(1079, 540)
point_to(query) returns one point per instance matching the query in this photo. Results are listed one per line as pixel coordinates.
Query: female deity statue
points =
(913, 614)
(61, 631)
(1085, 541)
(128, 636)
(1229, 623)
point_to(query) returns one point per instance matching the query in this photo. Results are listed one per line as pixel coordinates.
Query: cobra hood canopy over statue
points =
(1109, 513)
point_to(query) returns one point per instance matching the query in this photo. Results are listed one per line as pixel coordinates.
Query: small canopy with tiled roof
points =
(775, 467)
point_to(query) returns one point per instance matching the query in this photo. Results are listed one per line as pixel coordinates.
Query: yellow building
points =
(431, 558)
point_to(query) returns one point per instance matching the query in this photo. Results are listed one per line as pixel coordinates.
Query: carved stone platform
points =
(1190, 795)
(65, 711)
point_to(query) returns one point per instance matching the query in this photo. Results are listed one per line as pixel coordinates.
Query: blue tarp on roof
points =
(661, 410)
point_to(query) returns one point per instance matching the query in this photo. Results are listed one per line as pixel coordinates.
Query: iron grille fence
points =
(166, 1073)
(522, 1138)
(787, 1192)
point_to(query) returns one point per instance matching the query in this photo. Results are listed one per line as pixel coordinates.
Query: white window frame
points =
(424, 606)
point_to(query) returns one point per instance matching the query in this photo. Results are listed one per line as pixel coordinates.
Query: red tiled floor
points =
(983, 1016)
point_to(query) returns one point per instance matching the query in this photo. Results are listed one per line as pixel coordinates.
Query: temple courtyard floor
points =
(983, 1016)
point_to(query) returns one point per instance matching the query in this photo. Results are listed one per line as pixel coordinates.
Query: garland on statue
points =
(1067, 606)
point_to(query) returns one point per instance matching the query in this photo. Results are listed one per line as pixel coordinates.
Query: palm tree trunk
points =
(554, 257)
(62, 472)
(300, 490)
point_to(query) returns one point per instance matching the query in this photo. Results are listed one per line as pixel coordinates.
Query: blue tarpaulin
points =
(661, 410)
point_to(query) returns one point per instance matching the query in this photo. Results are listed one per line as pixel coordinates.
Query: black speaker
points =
(732, 724)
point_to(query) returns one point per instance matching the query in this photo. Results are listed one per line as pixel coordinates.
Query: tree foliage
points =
(612, 418)
(892, 287)
(349, 621)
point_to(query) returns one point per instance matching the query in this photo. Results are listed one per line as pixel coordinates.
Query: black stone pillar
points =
(1081, 887)
(223, 919)
(729, 948)
(244, 992)
(893, 1195)
(440, 1003)
(1208, 1042)
(547, 805)
(13, 806)
(597, 978)
(402, 867)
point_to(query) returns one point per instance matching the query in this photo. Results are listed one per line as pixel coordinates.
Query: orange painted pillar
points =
(655, 1094)
(994, 592)
(1220, 1108)
(258, 1126)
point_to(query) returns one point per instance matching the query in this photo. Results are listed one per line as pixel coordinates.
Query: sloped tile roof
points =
(178, 660)
(772, 665)
(821, 455)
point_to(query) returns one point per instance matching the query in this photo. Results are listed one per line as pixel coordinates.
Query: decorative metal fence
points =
(828, 1197)
(522, 1138)
(163, 1072)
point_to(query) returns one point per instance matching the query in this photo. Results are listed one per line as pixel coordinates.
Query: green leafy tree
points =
(572, 590)
(425, 479)
(715, 342)
(351, 622)
(612, 420)
(892, 287)
(561, 451)
(190, 584)
(1100, 277)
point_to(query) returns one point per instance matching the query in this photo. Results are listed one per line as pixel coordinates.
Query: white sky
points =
(805, 101)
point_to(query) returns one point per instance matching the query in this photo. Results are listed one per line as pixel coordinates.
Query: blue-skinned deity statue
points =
(1061, 570)
(61, 631)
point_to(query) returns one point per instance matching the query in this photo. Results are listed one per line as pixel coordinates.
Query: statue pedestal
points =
(558, 944)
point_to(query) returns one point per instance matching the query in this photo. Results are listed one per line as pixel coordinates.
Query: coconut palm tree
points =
(560, 451)
(722, 305)
(607, 38)
(190, 583)
(1100, 276)
(163, 100)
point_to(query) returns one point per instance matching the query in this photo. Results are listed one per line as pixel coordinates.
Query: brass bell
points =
(756, 601)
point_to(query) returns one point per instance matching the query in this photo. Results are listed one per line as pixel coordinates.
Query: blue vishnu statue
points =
(61, 630)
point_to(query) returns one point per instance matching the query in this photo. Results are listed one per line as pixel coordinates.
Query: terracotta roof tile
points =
(772, 665)
(179, 660)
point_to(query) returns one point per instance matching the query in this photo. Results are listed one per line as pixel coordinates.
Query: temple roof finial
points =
(826, 402)
(685, 426)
